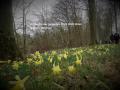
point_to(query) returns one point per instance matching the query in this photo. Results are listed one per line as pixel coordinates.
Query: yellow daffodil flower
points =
(71, 69)
(34, 57)
(29, 60)
(78, 62)
(38, 62)
(19, 84)
(37, 53)
(53, 53)
(15, 65)
(56, 69)
(65, 56)
(50, 59)
(59, 58)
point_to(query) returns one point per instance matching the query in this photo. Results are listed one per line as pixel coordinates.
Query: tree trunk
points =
(92, 20)
(8, 47)
(115, 12)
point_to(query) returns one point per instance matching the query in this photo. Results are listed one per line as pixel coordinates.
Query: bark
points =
(8, 47)
(92, 20)
(115, 13)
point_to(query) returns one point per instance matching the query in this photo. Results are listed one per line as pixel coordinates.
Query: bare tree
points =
(20, 21)
(68, 11)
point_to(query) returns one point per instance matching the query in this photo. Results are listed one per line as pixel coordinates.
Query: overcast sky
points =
(35, 8)
(38, 4)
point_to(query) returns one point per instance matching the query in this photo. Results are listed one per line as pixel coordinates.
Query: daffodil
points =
(19, 84)
(78, 62)
(50, 59)
(65, 56)
(53, 53)
(40, 57)
(59, 58)
(56, 69)
(71, 69)
(37, 53)
(81, 51)
(29, 60)
(38, 62)
(15, 65)
(45, 53)
(34, 57)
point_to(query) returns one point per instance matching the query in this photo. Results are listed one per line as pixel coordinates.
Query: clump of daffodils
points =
(56, 69)
(71, 69)
(36, 55)
(35, 58)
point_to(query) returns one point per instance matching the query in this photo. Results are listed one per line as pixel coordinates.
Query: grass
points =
(86, 68)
